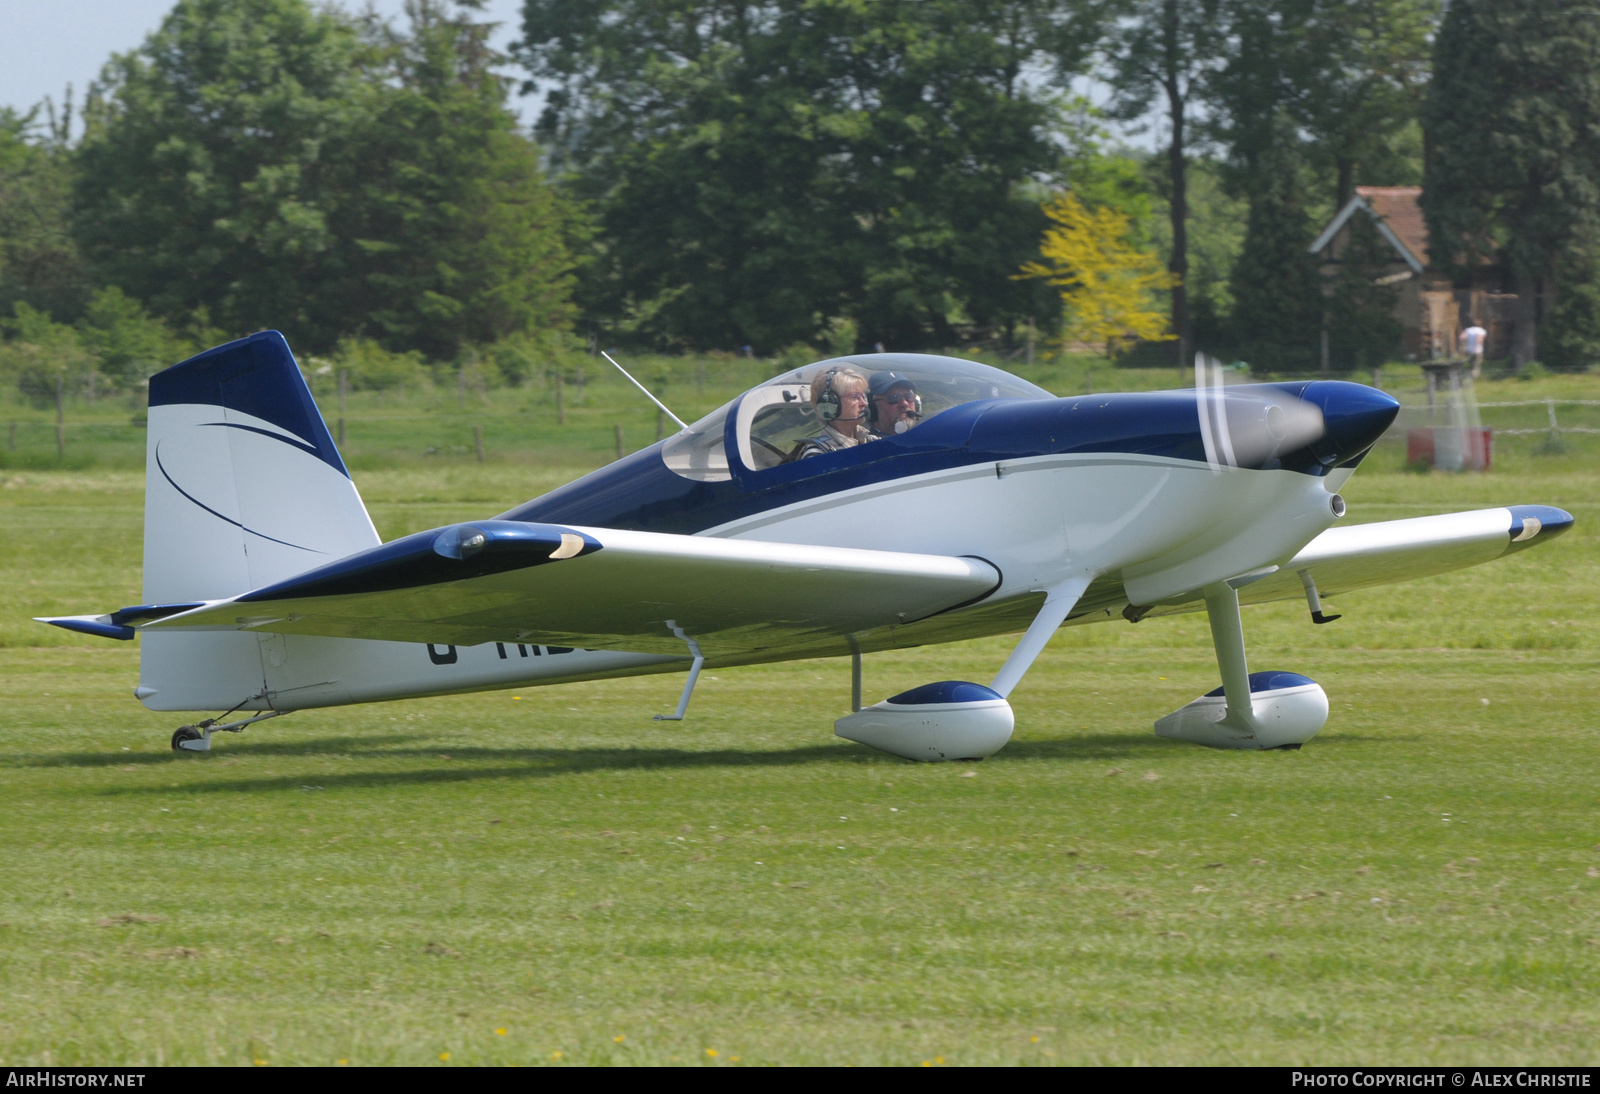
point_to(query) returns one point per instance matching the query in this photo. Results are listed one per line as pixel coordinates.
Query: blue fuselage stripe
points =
(640, 492)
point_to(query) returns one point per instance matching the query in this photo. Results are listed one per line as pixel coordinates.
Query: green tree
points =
(39, 263)
(456, 237)
(207, 179)
(261, 163)
(47, 361)
(1163, 51)
(1216, 224)
(1308, 85)
(1357, 79)
(367, 366)
(1513, 171)
(760, 169)
(126, 343)
(1362, 328)
(1277, 312)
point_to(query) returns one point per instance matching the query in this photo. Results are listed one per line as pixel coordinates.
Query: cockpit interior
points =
(764, 427)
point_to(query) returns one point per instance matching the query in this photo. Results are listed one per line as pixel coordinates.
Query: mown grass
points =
(400, 883)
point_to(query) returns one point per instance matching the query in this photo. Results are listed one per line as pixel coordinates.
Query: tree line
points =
(753, 176)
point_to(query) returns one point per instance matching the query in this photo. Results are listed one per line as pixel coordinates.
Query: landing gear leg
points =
(1267, 711)
(1058, 604)
(694, 676)
(1227, 635)
(197, 738)
(855, 675)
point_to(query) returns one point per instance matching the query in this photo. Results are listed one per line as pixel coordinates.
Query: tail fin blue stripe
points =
(292, 442)
(256, 376)
(166, 475)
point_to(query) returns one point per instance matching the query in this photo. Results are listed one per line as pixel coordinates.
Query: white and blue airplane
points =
(1005, 510)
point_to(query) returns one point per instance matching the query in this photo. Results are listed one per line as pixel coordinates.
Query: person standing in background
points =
(1472, 342)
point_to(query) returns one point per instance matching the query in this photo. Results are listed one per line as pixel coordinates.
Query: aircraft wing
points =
(598, 588)
(1359, 556)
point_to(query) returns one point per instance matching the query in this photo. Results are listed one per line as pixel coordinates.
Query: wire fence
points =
(504, 430)
(1553, 421)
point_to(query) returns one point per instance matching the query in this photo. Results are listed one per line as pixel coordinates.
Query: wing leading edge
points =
(1359, 556)
(598, 588)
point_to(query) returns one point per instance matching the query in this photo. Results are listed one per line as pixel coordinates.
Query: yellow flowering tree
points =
(1106, 283)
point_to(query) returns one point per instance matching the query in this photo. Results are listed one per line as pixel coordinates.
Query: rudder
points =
(243, 484)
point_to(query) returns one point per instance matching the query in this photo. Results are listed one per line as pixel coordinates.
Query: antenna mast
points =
(681, 423)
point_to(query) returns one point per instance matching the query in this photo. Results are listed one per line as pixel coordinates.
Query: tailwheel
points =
(186, 733)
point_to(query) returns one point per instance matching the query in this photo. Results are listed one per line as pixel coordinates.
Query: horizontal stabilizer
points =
(100, 626)
(599, 588)
(118, 624)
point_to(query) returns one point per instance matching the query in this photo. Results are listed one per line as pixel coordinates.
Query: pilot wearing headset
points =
(895, 404)
(839, 400)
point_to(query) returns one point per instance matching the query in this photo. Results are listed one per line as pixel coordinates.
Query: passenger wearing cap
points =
(895, 404)
(839, 400)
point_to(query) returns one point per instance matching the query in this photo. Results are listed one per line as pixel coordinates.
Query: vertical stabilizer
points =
(243, 485)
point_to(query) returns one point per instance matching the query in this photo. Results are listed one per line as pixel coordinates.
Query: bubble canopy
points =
(769, 422)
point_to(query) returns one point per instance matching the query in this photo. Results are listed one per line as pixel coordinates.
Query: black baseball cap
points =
(881, 382)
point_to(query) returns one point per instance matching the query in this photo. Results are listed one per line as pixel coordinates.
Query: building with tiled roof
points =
(1432, 309)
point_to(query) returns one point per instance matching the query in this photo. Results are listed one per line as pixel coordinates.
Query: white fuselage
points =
(1164, 527)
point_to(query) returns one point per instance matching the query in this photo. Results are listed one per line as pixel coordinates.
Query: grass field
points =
(549, 877)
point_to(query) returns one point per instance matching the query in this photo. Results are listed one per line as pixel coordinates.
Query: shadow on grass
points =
(455, 764)
(476, 764)
(323, 747)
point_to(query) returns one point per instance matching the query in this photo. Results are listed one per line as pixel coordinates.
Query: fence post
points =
(1550, 405)
(477, 441)
(661, 423)
(344, 386)
(61, 413)
(620, 452)
(561, 400)
(13, 440)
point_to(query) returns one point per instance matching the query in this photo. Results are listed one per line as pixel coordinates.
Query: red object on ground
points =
(1420, 448)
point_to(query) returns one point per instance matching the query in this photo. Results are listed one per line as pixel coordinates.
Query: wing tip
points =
(1531, 524)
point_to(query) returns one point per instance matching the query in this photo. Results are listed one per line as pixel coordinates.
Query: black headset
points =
(828, 407)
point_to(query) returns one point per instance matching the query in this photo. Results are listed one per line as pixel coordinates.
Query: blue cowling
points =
(945, 691)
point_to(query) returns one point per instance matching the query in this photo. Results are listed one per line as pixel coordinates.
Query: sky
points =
(47, 44)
